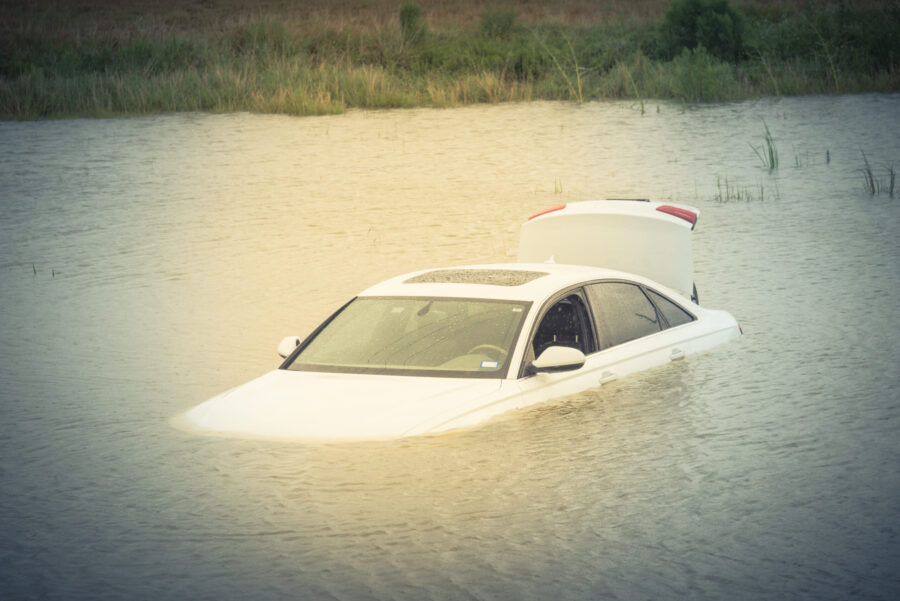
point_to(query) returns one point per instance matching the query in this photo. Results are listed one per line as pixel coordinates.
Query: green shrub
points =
(713, 24)
(695, 75)
(497, 23)
(517, 58)
(262, 38)
(412, 26)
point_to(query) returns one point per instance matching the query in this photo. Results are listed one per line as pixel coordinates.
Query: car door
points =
(637, 328)
(627, 332)
(563, 321)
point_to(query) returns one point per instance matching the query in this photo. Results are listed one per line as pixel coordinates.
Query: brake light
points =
(545, 211)
(688, 216)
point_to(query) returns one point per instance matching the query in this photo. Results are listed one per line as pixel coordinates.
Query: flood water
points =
(147, 264)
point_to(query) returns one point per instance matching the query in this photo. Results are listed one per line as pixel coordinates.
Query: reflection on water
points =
(150, 263)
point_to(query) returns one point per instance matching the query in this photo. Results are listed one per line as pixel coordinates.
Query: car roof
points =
(501, 281)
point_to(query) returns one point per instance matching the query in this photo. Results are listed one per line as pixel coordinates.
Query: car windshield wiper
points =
(424, 310)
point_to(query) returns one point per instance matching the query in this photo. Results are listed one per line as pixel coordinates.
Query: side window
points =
(565, 324)
(674, 314)
(623, 312)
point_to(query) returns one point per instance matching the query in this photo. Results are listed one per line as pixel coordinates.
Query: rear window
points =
(674, 314)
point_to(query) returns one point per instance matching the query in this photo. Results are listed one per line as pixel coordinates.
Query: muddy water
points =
(147, 264)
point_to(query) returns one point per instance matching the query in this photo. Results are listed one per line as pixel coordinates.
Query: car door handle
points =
(607, 376)
(677, 354)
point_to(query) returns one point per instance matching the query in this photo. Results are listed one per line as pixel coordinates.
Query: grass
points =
(576, 90)
(727, 191)
(767, 154)
(874, 185)
(90, 58)
(827, 50)
(636, 93)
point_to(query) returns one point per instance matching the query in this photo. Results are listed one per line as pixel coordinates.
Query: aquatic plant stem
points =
(636, 93)
(577, 71)
(769, 155)
(870, 183)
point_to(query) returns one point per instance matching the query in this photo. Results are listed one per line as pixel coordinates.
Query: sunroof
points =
(490, 277)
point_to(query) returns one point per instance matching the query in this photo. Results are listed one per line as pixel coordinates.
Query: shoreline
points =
(272, 64)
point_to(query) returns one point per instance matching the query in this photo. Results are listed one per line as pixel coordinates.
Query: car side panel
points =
(650, 351)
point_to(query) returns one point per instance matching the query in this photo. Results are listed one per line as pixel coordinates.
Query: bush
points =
(713, 24)
(266, 37)
(412, 27)
(497, 23)
(698, 76)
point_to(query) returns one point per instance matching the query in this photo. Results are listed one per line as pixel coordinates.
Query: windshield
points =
(416, 336)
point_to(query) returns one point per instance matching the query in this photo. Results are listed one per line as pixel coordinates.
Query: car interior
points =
(565, 324)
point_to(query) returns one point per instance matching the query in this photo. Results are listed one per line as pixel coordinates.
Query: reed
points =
(798, 161)
(557, 185)
(874, 185)
(767, 153)
(636, 93)
(727, 191)
(576, 89)
(870, 184)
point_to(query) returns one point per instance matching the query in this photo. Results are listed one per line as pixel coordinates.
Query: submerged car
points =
(448, 348)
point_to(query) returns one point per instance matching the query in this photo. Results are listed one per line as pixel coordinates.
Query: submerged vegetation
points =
(875, 181)
(315, 57)
(727, 191)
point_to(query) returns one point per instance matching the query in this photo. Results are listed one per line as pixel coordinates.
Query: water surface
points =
(148, 264)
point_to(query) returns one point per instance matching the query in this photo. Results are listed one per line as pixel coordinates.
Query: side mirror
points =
(559, 358)
(287, 346)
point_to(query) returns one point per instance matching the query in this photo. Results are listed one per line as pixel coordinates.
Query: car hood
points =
(316, 405)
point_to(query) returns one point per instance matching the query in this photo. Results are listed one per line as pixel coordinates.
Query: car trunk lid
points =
(636, 236)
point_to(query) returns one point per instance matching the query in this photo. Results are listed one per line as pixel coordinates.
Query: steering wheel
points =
(501, 352)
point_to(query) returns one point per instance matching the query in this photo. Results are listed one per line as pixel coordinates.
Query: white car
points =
(448, 348)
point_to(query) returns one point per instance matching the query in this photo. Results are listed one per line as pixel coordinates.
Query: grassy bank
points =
(316, 57)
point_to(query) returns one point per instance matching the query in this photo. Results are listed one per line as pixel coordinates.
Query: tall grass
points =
(874, 185)
(635, 88)
(767, 153)
(565, 65)
(827, 50)
(329, 60)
